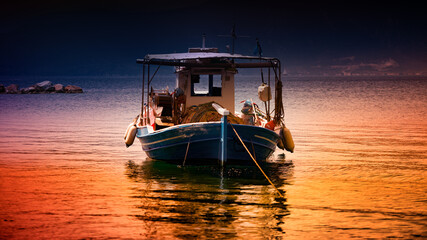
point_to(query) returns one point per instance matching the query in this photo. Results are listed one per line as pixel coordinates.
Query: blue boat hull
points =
(203, 142)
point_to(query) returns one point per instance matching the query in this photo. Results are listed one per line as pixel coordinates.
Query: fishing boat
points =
(200, 125)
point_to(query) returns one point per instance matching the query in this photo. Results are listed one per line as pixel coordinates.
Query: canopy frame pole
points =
(142, 99)
(269, 95)
(278, 94)
(152, 77)
(281, 91)
(148, 94)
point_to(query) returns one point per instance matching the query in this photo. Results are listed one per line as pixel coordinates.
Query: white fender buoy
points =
(127, 130)
(134, 122)
(131, 132)
(287, 139)
(278, 131)
(264, 92)
(131, 136)
(280, 144)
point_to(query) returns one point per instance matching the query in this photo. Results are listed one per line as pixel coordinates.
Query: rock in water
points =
(42, 87)
(45, 85)
(12, 89)
(73, 89)
(50, 89)
(28, 90)
(59, 88)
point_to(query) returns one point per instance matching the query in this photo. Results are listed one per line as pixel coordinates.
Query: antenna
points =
(203, 40)
(233, 36)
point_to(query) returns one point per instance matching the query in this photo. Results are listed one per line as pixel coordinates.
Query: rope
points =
(280, 194)
(186, 152)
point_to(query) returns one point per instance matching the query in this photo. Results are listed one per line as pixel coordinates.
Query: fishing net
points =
(206, 113)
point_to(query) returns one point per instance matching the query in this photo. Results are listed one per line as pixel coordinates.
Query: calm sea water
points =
(358, 171)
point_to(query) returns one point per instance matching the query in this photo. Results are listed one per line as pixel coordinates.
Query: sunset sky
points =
(105, 38)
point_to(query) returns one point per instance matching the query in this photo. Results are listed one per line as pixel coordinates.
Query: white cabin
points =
(202, 85)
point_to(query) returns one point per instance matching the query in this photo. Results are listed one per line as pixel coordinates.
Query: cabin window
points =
(206, 85)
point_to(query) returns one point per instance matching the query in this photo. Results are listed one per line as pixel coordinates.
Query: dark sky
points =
(105, 37)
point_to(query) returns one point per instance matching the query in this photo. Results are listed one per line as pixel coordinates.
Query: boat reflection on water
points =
(209, 201)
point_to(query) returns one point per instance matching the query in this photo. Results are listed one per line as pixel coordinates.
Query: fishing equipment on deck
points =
(270, 125)
(248, 113)
(206, 113)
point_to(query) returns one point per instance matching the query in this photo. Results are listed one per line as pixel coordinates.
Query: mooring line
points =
(186, 152)
(265, 175)
(253, 149)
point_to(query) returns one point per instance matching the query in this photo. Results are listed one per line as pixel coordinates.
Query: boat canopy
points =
(202, 55)
(193, 59)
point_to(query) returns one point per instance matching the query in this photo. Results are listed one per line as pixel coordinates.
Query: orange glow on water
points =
(359, 170)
